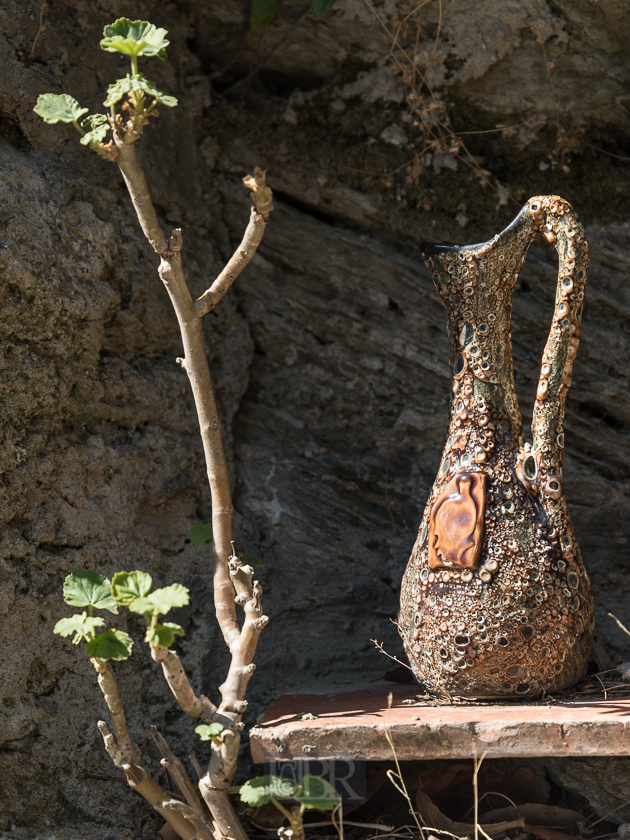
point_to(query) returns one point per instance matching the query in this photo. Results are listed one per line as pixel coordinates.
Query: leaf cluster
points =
(135, 84)
(133, 590)
(209, 731)
(314, 792)
(133, 38)
(90, 589)
(86, 588)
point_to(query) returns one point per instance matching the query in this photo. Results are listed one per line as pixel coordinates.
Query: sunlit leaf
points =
(315, 792)
(141, 606)
(320, 7)
(96, 126)
(161, 601)
(251, 560)
(169, 597)
(126, 586)
(81, 625)
(163, 635)
(118, 89)
(200, 535)
(135, 37)
(262, 12)
(208, 731)
(113, 644)
(256, 792)
(86, 588)
(54, 108)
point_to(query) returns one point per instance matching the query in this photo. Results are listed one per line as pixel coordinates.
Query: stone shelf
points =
(351, 725)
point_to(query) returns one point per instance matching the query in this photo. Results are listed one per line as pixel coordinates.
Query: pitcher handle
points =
(556, 221)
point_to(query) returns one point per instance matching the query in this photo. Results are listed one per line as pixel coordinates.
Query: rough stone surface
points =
(329, 357)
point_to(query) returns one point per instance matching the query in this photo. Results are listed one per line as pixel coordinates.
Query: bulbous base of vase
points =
(523, 632)
(532, 675)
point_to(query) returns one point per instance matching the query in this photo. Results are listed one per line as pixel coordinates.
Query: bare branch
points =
(248, 594)
(242, 255)
(108, 686)
(196, 707)
(226, 579)
(156, 796)
(261, 193)
(138, 190)
(226, 821)
(203, 830)
(175, 769)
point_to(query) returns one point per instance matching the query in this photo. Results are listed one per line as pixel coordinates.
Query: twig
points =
(448, 133)
(619, 624)
(493, 793)
(258, 219)
(548, 67)
(390, 773)
(338, 810)
(476, 766)
(603, 687)
(42, 28)
(108, 686)
(604, 152)
(605, 817)
(382, 650)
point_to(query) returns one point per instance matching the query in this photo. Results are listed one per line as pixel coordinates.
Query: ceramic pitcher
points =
(495, 600)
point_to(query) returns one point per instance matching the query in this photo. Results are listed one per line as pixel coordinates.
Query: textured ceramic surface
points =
(495, 600)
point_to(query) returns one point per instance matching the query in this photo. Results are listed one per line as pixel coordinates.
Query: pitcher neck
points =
(476, 283)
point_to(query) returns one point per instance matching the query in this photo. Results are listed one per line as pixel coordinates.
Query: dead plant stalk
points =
(232, 580)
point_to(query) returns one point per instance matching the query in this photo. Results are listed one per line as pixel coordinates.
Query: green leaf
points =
(257, 792)
(251, 560)
(169, 597)
(320, 7)
(262, 12)
(118, 89)
(160, 601)
(81, 625)
(54, 108)
(127, 586)
(200, 535)
(163, 635)
(86, 588)
(134, 37)
(113, 644)
(96, 126)
(208, 731)
(316, 793)
(141, 606)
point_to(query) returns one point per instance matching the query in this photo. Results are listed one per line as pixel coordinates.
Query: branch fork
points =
(233, 579)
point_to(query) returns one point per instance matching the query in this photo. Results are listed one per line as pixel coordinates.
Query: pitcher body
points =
(495, 600)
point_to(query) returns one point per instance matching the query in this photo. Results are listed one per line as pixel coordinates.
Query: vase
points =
(495, 600)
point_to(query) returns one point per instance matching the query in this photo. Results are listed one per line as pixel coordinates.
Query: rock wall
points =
(329, 356)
